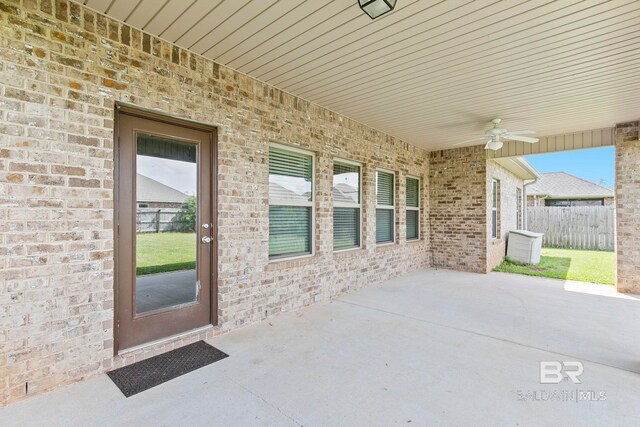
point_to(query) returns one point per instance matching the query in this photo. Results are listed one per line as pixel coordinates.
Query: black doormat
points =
(151, 372)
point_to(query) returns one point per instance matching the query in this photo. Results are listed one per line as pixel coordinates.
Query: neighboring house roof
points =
(277, 191)
(345, 193)
(150, 190)
(563, 185)
(518, 166)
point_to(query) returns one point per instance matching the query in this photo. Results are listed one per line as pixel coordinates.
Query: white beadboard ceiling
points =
(431, 72)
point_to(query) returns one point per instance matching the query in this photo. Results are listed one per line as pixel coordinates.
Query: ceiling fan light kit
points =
(494, 145)
(376, 8)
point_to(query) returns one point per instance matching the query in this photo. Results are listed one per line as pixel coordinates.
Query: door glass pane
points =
(166, 240)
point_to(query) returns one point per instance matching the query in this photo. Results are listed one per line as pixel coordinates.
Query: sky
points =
(174, 173)
(595, 165)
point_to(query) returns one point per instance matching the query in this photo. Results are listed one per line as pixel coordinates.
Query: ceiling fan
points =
(495, 135)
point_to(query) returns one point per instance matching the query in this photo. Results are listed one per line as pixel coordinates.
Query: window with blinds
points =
(385, 207)
(290, 202)
(413, 208)
(346, 205)
(519, 214)
(495, 194)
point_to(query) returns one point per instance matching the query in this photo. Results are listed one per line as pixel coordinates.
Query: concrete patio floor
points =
(155, 291)
(430, 348)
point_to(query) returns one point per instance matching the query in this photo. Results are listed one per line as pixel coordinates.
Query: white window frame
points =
(311, 203)
(392, 208)
(412, 208)
(519, 208)
(350, 205)
(495, 200)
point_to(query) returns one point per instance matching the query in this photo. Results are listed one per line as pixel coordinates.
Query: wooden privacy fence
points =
(576, 227)
(154, 220)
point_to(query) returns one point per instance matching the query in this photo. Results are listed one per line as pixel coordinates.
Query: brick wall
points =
(628, 207)
(458, 200)
(62, 69)
(507, 211)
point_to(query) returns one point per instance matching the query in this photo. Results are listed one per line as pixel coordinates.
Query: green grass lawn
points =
(162, 252)
(570, 264)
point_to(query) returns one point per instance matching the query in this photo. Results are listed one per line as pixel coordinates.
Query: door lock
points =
(205, 226)
(206, 239)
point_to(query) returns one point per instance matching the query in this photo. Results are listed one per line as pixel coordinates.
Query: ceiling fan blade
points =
(522, 132)
(521, 138)
(468, 140)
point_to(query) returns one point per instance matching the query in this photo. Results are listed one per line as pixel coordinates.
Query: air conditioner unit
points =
(524, 246)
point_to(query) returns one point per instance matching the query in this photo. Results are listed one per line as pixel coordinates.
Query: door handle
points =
(206, 239)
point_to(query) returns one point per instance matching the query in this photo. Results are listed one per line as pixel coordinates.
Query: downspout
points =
(524, 202)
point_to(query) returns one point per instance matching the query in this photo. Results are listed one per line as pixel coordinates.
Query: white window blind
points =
(413, 208)
(290, 202)
(494, 208)
(346, 205)
(385, 207)
(519, 204)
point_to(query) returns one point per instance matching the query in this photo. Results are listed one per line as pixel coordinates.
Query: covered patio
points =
(435, 347)
(331, 192)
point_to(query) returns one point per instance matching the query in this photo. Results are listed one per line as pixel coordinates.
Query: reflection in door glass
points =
(166, 242)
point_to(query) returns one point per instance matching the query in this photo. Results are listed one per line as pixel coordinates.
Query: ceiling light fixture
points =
(376, 8)
(494, 144)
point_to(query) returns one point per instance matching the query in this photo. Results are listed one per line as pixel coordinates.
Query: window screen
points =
(413, 208)
(346, 205)
(494, 208)
(290, 202)
(385, 207)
